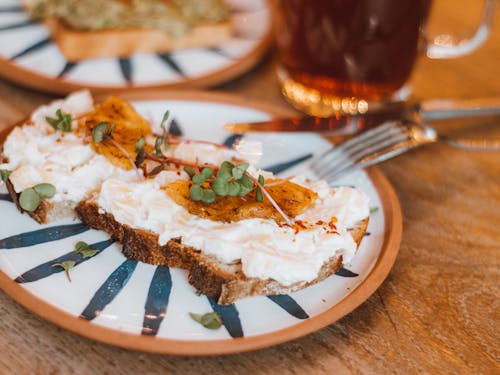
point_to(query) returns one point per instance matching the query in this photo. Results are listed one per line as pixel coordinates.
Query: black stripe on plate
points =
(157, 301)
(232, 139)
(39, 236)
(34, 47)
(126, 69)
(344, 272)
(367, 234)
(5, 197)
(12, 9)
(288, 304)
(220, 52)
(175, 128)
(66, 69)
(46, 269)
(18, 25)
(167, 59)
(230, 317)
(109, 290)
(281, 167)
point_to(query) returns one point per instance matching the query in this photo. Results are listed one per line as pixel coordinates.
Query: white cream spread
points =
(37, 153)
(266, 250)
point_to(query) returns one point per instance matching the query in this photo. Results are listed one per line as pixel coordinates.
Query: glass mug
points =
(351, 56)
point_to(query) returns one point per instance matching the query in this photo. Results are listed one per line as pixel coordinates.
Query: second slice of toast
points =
(77, 45)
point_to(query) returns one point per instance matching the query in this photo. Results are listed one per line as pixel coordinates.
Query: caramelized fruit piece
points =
(293, 199)
(129, 127)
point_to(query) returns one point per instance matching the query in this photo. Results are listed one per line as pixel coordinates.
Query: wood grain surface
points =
(438, 312)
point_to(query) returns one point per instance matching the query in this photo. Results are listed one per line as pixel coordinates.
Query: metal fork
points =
(382, 143)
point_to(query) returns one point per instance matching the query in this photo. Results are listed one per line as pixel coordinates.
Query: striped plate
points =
(144, 307)
(29, 57)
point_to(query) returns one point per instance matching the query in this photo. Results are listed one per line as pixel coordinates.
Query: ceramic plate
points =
(29, 57)
(144, 307)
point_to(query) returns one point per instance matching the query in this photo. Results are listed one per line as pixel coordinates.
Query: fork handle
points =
(442, 109)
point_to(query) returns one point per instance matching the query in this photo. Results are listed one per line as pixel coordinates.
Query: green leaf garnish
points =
(258, 192)
(140, 143)
(156, 170)
(239, 170)
(29, 200)
(230, 180)
(198, 179)
(220, 187)
(161, 144)
(61, 122)
(225, 170)
(83, 248)
(208, 196)
(246, 185)
(207, 172)
(190, 171)
(373, 209)
(102, 131)
(196, 193)
(45, 190)
(233, 188)
(164, 119)
(66, 266)
(209, 320)
(139, 158)
(4, 174)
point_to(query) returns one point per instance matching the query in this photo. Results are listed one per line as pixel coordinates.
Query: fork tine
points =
(369, 156)
(352, 151)
(325, 159)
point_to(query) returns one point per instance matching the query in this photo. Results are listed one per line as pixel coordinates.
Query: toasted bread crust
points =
(225, 283)
(78, 45)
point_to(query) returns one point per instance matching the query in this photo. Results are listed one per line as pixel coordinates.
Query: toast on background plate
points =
(237, 230)
(84, 29)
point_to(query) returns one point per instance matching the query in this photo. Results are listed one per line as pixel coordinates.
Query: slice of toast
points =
(226, 283)
(78, 45)
(65, 160)
(224, 280)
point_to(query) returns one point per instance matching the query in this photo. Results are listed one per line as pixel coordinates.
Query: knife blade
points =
(342, 124)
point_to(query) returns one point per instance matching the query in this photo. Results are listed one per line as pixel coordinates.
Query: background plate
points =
(28, 56)
(144, 307)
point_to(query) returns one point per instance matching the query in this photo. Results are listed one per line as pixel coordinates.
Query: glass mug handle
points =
(447, 46)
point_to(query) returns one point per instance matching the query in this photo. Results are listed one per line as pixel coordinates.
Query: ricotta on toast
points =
(237, 230)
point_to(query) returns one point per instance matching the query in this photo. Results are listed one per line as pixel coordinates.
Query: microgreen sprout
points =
(30, 198)
(4, 174)
(161, 142)
(190, 171)
(66, 266)
(258, 191)
(84, 249)
(164, 120)
(61, 122)
(141, 153)
(199, 193)
(140, 143)
(209, 320)
(102, 131)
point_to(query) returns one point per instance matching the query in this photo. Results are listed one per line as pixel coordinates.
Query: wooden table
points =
(437, 312)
